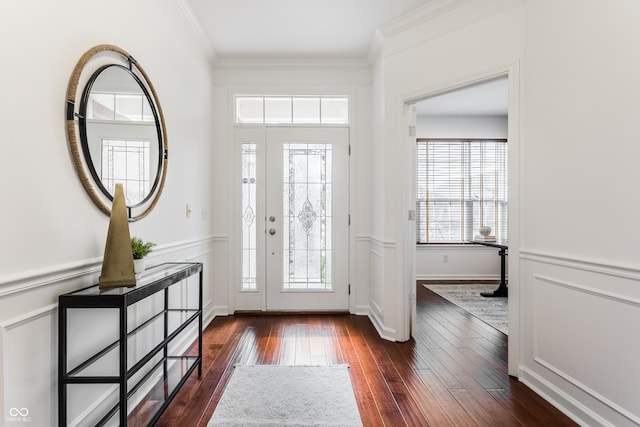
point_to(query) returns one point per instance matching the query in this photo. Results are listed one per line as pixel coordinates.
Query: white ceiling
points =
(295, 28)
(325, 29)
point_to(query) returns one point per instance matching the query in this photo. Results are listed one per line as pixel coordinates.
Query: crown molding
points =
(409, 20)
(192, 23)
(289, 62)
(375, 47)
(419, 16)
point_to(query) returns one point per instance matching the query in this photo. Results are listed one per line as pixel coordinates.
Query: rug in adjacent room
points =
(275, 395)
(493, 311)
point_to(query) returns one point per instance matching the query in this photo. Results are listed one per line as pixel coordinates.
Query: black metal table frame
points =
(121, 301)
(502, 290)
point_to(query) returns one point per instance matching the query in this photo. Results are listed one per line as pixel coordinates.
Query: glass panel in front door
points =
(249, 212)
(307, 220)
(307, 232)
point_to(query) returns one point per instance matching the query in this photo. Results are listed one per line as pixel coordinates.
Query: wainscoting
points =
(582, 350)
(29, 331)
(29, 364)
(381, 293)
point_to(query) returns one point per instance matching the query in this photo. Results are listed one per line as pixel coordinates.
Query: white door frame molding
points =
(406, 304)
(256, 299)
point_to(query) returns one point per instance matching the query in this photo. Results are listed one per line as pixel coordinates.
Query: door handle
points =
(272, 231)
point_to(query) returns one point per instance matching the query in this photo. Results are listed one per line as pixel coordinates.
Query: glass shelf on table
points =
(146, 338)
(145, 397)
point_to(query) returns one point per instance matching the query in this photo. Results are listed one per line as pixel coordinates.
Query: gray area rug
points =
(493, 311)
(274, 395)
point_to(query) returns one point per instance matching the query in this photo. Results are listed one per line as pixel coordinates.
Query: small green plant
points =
(140, 248)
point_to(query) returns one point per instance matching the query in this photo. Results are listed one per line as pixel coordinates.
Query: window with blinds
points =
(461, 186)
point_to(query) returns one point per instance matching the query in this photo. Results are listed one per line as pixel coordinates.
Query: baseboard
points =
(459, 282)
(362, 310)
(289, 312)
(208, 314)
(384, 332)
(466, 277)
(572, 408)
(221, 310)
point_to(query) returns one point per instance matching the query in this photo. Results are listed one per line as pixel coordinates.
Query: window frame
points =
(293, 119)
(465, 202)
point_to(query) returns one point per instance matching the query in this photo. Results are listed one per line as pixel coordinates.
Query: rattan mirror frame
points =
(86, 66)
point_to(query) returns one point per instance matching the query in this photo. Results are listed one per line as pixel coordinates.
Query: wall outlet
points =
(445, 258)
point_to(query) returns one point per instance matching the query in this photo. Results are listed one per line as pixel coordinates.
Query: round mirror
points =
(121, 130)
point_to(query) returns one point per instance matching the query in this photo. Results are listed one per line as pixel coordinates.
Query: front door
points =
(302, 260)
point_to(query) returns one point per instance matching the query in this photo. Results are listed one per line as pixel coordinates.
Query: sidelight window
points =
(249, 211)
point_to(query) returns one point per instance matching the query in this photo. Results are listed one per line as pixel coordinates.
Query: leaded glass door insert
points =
(306, 210)
(126, 162)
(306, 214)
(249, 212)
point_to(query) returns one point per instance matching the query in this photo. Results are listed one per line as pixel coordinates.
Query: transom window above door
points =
(327, 110)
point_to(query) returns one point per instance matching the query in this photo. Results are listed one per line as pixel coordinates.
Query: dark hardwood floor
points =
(453, 374)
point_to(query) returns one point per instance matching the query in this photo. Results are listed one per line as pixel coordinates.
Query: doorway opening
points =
(476, 110)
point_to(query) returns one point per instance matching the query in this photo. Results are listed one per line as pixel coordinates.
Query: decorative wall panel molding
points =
(42, 277)
(573, 408)
(382, 244)
(581, 334)
(29, 362)
(33, 279)
(590, 265)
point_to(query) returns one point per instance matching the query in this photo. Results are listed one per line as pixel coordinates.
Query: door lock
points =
(272, 218)
(272, 231)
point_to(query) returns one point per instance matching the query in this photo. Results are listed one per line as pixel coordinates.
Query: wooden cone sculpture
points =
(117, 264)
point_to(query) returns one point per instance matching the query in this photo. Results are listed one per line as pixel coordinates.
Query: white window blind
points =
(461, 185)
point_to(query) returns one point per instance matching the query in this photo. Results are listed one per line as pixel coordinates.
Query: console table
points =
(150, 359)
(502, 290)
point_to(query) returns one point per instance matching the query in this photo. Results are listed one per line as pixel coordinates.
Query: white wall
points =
(463, 262)
(52, 235)
(461, 127)
(582, 293)
(576, 295)
(457, 262)
(445, 51)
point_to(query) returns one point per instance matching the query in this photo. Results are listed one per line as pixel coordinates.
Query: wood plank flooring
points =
(453, 374)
